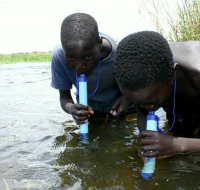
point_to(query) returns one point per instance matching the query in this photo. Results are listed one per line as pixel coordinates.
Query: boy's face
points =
(81, 56)
(150, 98)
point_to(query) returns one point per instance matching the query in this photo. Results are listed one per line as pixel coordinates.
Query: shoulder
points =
(58, 50)
(185, 47)
(58, 55)
(187, 55)
(108, 47)
(185, 50)
(112, 41)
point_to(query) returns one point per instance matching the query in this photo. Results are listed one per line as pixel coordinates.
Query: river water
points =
(40, 147)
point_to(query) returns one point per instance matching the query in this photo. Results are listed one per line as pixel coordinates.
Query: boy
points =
(86, 51)
(152, 73)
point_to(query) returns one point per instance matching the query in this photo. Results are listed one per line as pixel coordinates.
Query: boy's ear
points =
(100, 39)
(100, 42)
(175, 70)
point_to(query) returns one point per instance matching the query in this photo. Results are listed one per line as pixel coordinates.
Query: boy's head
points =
(80, 40)
(143, 67)
(79, 26)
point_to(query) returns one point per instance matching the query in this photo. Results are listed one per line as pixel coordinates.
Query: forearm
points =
(186, 145)
(66, 104)
(141, 118)
(141, 123)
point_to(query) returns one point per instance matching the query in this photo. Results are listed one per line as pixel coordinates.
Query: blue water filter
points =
(83, 99)
(149, 166)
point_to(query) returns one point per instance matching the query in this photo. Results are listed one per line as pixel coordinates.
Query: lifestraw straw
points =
(83, 99)
(149, 166)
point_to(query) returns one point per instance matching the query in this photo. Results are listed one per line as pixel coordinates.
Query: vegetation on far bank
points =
(25, 57)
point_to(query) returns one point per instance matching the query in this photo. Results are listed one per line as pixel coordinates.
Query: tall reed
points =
(181, 21)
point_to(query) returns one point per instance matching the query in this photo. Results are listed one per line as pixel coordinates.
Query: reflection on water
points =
(107, 161)
(40, 147)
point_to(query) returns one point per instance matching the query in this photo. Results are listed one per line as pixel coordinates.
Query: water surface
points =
(40, 147)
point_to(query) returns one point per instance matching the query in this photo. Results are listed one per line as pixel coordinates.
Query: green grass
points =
(187, 26)
(181, 22)
(25, 57)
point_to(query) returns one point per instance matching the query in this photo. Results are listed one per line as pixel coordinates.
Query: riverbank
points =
(25, 57)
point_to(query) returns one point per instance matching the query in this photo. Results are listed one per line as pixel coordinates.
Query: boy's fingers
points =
(90, 110)
(113, 112)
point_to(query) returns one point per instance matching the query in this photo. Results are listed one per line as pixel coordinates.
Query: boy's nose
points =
(148, 107)
(79, 65)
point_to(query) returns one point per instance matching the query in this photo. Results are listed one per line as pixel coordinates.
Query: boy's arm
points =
(141, 118)
(187, 145)
(157, 144)
(66, 100)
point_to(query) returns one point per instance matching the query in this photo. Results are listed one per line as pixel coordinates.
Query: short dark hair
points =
(79, 26)
(142, 59)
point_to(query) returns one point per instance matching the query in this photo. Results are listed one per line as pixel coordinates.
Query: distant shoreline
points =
(25, 57)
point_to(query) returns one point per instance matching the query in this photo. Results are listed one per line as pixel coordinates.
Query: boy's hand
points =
(140, 154)
(120, 106)
(156, 144)
(80, 113)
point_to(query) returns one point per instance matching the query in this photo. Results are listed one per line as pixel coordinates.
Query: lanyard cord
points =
(173, 110)
(98, 79)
